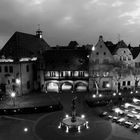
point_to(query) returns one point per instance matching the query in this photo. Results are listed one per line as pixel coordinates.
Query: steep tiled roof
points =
(66, 59)
(120, 44)
(135, 51)
(110, 46)
(23, 45)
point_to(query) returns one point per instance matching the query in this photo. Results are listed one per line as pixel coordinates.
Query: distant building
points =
(18, 62)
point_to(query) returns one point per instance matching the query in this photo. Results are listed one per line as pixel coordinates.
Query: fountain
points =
(73, 123)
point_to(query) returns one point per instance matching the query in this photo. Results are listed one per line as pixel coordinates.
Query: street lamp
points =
(18, 81)
(13, 95)
(107, 85)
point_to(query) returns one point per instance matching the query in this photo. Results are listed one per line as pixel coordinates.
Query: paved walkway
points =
(30, 100)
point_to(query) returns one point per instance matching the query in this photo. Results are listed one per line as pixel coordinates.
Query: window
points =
(100, 46)
(28, 84)
(27, 68)
(105, 84)
(124, 51)
(6, 69)
(0, 69)
(81, 74)
(11, 69)
(97, 53)
(128, 83)
(61, 73)
(129, 58)
(52, 74)
(104, 53)
(123, 83)
(105, 61)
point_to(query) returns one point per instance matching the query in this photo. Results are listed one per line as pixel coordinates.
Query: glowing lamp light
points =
(94, 96)
(18, 81)
(25, 129)
(131, 92)
(79, 129)
(93, 48)
(67, 116)
(100, 95)
(120, 93)
(13, 94)
(67, 129)
(107, 85)
(59, 126)
(82, 116)
(114, 94)
(136, 91)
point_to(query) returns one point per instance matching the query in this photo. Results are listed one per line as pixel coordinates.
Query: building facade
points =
(62, 66)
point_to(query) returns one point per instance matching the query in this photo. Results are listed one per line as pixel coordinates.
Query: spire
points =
(100, 38)
(39, 32)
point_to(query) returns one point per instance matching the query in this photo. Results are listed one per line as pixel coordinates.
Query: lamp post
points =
(13, 95)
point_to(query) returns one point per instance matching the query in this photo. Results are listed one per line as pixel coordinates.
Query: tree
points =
(135, 73)
(119, 70)
(98, 71)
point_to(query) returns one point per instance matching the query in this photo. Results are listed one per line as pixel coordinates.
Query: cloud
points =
(65, 20)
(117, 3)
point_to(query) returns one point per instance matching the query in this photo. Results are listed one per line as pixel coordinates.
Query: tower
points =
(39, 32)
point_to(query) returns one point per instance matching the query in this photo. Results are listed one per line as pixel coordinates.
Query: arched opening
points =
(52, 87)
(66, 86)
(81, 86)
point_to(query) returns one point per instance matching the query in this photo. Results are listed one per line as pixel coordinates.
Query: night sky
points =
(66, 20)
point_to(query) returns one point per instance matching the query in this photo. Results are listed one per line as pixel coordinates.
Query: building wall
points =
(98, 66)
(22, 71)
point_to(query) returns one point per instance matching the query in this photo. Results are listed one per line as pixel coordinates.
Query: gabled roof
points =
(110, 46)
(23, 45)
(135, 51)
(120, 44)
(65, 59)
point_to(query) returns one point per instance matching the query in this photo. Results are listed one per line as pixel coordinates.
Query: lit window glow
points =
(6, 60)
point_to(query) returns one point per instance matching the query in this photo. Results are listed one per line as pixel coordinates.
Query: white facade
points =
(98, 69)
(17, 76)
(101, 73)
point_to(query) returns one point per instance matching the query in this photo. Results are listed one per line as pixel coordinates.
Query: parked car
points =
(136, 127)
(128, 123)
(120, 120)
(115, 118)
(103, 114)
